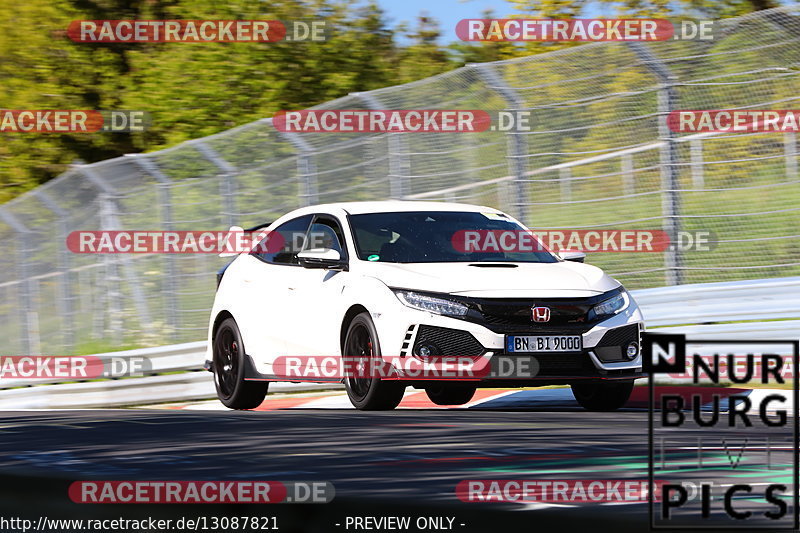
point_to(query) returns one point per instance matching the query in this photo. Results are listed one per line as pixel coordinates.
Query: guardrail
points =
(165, 388)
(163, 359)
(175, 374)
(758, 309)
(736, 301)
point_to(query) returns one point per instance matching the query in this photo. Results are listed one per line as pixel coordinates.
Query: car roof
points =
(391, 206)
(383, 206)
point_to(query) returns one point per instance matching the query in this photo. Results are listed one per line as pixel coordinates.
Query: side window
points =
(291, 235)
(326, 233)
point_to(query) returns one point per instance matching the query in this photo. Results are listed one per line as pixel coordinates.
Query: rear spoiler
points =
(238, 229)
(260, 226)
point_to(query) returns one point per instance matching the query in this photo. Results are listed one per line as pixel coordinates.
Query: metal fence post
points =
(113, 295)
(227, 184)
(565, 177)
(670, 178)
(503, 194)
(399, 164)
(22, 256)
(306, 169)
(696, 156)
(109, 221)
(165, 200)
(517, 149)
(790, 152)
(628, 175)
(65, 300)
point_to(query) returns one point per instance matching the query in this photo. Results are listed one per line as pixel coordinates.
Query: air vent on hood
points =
(494, 265)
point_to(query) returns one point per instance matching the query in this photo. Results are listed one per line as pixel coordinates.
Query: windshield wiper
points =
(495, 264)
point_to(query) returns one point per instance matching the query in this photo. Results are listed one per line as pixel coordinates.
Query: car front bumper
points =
(603, 357)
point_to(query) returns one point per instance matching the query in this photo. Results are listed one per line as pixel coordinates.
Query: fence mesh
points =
(597, 157)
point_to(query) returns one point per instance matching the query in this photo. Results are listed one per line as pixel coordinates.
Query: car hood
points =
(499, 280)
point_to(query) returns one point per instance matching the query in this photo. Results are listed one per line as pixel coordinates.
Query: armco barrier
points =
(185, 386)
(163, 359)
(738, 301)
(757, 309)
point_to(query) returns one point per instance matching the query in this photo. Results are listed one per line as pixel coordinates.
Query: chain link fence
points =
(598, 157)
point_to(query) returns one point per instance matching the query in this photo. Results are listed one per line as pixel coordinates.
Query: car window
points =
(291, 235)
(326, 233)
(431, 237)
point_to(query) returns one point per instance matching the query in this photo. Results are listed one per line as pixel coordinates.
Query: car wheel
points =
(602, 396)
(450, 394)
(362, 350)
(228, 367)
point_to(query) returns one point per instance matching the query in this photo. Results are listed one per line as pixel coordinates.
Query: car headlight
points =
(612, 305)
(423, 302)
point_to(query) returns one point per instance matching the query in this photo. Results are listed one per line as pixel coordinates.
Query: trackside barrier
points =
(757, 309)
(706, 303)
(595, 155)
(162, 359)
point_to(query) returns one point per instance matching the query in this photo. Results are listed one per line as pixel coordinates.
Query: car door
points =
(266, 276)
(316, 304)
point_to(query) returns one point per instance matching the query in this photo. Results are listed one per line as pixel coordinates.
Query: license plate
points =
(543, 343)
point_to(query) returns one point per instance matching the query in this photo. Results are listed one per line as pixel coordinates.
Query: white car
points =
(382, 282)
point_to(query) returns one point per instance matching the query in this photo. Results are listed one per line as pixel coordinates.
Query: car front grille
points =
(446, 341)
(550, 364)
(515, 316)
(612, 346)
(561, 364)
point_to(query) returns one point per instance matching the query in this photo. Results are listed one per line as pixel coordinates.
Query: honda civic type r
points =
(386, 283)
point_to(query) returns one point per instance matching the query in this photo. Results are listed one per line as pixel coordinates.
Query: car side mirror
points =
(572, 255)
(327, 258)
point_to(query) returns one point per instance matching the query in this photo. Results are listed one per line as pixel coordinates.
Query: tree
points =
(189, 89)
(423, 57)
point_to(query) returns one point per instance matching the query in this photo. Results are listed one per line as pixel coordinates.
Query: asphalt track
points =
(405, 461)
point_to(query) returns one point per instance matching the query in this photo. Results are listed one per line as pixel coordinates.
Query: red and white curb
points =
(558, 398)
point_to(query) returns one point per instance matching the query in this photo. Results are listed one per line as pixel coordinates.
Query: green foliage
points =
(194, 90)
(190, 90)
(424, 57)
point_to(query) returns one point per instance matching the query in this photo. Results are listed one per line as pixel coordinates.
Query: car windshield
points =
(445, 236)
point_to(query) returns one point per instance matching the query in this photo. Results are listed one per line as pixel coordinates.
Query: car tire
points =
(602, 396)
(450, 394)
(367, 393)
(228, 366)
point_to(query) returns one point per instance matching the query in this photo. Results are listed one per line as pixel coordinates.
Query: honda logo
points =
(540, 314)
